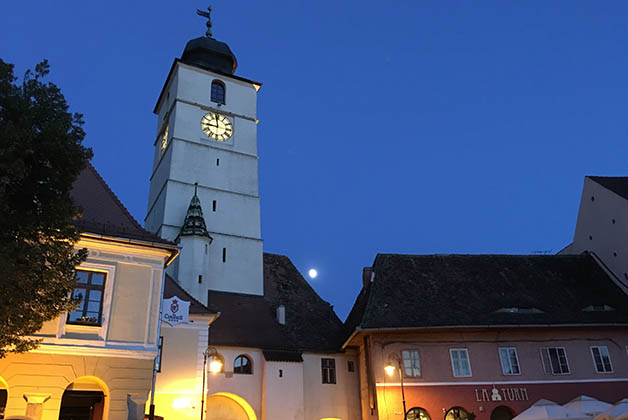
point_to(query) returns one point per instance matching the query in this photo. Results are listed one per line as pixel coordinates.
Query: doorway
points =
(82, 405)
(502, 413)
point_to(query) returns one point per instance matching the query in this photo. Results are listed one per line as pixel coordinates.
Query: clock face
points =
(217, 126)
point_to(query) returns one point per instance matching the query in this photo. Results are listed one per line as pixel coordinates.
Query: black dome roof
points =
(209, 54)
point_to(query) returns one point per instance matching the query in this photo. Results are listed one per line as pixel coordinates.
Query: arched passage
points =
(86, 398)
(4, 396)
(502, 413)
(227, 406)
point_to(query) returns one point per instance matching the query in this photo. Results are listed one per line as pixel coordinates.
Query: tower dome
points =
(207, 53)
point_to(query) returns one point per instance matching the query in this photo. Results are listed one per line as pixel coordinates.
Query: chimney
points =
(368, 275)
(281, 314)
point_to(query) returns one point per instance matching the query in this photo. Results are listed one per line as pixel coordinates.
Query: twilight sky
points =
(395, 127)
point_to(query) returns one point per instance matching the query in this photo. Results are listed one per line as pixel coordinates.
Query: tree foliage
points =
(41, 154)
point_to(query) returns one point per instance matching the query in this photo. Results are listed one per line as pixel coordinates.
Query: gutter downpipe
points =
(151, 413)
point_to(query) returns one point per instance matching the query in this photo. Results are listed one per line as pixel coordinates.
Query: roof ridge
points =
(115, 197)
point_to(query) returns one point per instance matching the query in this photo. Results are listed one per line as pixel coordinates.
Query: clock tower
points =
(206, 165)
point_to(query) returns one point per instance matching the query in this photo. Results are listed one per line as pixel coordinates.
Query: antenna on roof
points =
(206, 15)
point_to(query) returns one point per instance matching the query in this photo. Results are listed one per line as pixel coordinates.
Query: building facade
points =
(96, 363)
(483, 336)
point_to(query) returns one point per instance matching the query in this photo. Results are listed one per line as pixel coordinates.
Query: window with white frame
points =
(554, 360)
(89, 293)
(411, 363)
(509, 360)
(601, 359)
(460, 363)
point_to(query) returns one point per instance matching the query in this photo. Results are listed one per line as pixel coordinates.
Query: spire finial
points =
(195, 187)
(207, 15)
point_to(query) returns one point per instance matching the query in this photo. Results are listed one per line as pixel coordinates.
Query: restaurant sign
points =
(501, 394)
(175, 311)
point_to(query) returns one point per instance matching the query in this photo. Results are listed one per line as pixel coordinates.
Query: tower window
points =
(217, 162)
(218, 92)
(214, 205)
(224, 255)
(200, 278)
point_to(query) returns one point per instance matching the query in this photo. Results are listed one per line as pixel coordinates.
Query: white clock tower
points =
(207, 135)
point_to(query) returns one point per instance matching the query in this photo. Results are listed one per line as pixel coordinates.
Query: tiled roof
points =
(417, 291)
(250, 320)
(617, 184)
(103, 213)
(172, 288)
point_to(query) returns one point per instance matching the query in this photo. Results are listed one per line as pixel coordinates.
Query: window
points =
(350, 365)
(417, 413)
(164, 139)
(554, 360)
(601, 359)
(224, 255)
(457, 413)
(510, 361)
(90, 288)
(218, 92)
(328, 371)
(411, 363)
(242, 365)
(460, 362)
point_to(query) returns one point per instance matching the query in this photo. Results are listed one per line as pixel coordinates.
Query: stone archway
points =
(86, 398)
(227, 406)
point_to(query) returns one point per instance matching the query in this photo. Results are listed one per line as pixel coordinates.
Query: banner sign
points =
(175, 311)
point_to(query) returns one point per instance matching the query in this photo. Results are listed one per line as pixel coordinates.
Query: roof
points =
(103, 213)
(617, 184)
(194, 223)
(250, 320)
(420, 291)
(172, 288)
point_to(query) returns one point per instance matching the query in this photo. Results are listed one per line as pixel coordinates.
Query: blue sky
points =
(408, 127)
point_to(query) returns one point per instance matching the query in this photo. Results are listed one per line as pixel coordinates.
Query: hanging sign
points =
(176, 311)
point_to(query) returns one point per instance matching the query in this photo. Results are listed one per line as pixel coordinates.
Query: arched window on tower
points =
(218, 92)
(243, 365)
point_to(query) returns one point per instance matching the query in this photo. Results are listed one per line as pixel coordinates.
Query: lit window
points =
(554, 360)
(417, 413)
(218, 92)
(411, 363)
(164, 139)
(460, 362)
(89, 291)
(457, 413)
(510, 361)
(601, 359)
(328, 371)
(242, 365)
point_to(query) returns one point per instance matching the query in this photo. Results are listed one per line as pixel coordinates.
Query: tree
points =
(41, 154)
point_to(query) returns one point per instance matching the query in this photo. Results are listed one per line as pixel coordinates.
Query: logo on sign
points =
(176, 311)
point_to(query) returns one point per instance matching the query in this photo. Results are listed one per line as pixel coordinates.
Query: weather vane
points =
(207, 15)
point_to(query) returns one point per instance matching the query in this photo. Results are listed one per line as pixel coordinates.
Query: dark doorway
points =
(3, 402)
(502, 413)
(82, 405)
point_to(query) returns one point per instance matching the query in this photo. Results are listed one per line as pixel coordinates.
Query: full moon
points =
(312, 273)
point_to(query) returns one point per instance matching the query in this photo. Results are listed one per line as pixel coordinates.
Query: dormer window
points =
(218, 92)
(598, 308)
(516, 310)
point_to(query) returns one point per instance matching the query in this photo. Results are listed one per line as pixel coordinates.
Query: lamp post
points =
(390, 368)
(215, 366)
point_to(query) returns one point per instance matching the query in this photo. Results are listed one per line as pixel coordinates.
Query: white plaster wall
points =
(284, 394)
(170, 94)
(595, 230)
(248, 387)
(340, 400)
(194, 85)
(192, 263)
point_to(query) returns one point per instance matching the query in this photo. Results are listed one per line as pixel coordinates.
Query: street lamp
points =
(215, 366)
(395, 363)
